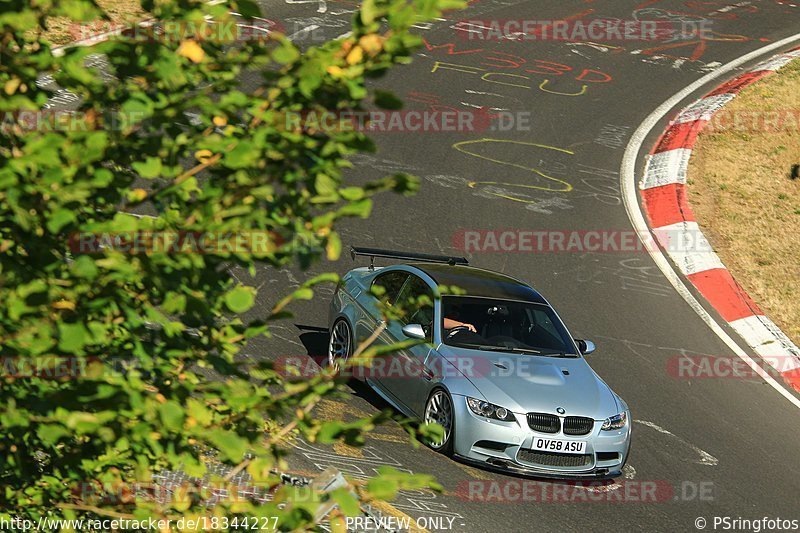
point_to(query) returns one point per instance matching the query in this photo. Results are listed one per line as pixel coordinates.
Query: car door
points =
(404, 374)
(386, 285)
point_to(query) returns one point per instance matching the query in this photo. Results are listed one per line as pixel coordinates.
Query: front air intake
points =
(543, 422)
(578, 425)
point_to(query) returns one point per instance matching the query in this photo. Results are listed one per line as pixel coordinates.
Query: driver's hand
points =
(471, 328)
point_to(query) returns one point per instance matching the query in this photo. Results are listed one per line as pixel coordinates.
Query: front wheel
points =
(439, 410)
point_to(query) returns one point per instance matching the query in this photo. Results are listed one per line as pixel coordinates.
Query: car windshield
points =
(490, 324)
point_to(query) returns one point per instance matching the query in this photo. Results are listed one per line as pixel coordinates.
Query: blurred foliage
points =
(144, 326)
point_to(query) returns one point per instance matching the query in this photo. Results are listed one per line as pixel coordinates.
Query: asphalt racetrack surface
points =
(701, 447)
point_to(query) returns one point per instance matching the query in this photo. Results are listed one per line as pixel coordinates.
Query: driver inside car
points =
(451, 323)
(424, 317)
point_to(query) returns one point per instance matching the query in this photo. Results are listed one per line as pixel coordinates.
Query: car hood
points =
(528, 383)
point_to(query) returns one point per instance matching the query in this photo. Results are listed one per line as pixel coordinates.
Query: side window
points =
(416, 299)
(390, 284)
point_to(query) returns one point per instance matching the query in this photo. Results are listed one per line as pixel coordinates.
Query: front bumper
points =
(498, 445)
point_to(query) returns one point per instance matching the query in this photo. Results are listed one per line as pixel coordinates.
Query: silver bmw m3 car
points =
(494, 365)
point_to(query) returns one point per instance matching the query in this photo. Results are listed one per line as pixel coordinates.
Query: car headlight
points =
(490, 410)
(615, 422)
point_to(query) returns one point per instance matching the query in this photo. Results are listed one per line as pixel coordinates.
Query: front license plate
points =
(559, 446)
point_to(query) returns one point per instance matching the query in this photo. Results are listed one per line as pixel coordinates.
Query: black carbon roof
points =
(480, 282)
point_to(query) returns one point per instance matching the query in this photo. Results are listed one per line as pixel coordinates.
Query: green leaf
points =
(351, 193)
(137, 109)
(329, 432)
(72, 337)
(229, 444)
(248, 9)
(334, 247)
(172, 415)
(382, 488)
(52, 433)
(325, 185)
(77, 9)
(82, 422)
(149, 168)
(176, 303)
(243, 155)
(240, 298)
(59, 219)
(327, 277)
(261, 469)
(348, 503)
(199, 412)
(369, 11)
(360, 208)
(304, 293)
(286, 53)
(447, 5)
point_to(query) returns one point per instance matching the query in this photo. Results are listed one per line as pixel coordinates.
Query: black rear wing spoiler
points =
(372, 253)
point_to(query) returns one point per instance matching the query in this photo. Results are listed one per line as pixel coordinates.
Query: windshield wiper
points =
(494, 348)
(487, 347)
(524, 350)
(559, 354)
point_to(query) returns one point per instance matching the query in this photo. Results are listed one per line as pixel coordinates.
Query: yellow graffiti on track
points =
(559, 185)
(545, 83)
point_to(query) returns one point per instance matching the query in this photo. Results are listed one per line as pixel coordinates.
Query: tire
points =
(439, 409)
(340, 344)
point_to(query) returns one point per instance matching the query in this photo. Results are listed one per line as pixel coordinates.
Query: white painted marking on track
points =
(628, 472)
(705, 457)
(628, 187)
(304, 31)
(598, 47)
(470, 91)
(322, 5)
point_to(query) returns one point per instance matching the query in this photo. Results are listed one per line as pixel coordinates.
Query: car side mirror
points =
(586, 347)
(414, 331)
